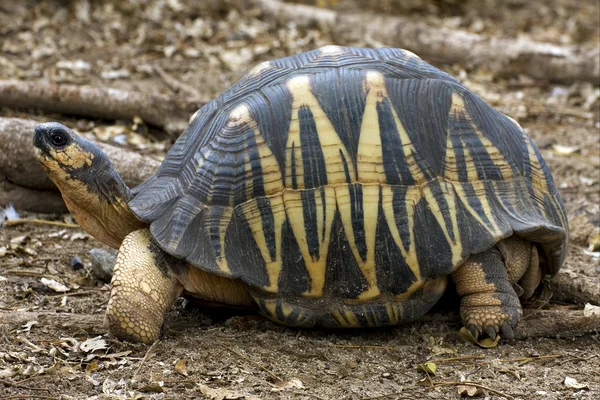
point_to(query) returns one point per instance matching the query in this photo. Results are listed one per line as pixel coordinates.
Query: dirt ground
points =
(229, 354)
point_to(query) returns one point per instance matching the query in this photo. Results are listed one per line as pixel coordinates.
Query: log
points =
(19, 165)
(575, 288)
(543, 61)
(23, 198)
(540, 324)
(556, 323)
(169, 113)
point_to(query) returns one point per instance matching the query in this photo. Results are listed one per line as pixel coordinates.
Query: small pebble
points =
(103, 262)
(76, 263)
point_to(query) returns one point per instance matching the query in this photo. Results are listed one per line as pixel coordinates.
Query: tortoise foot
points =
(490, 321)
(489, 304)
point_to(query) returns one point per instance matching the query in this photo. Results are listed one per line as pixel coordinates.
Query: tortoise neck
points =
(98, 199)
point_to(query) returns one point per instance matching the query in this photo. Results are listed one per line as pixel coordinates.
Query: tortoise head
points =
(91, 188)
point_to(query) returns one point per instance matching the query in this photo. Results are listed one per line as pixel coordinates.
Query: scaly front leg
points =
(143, 290)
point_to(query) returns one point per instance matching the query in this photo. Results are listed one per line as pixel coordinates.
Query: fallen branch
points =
(556, 323)
(545, 61)
(575, 288)
(23, 198)
(546, 323)
(169, 113)
(65, 322)
(20, 167)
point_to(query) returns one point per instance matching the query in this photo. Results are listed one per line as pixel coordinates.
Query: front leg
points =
(489, 303)
(143, 290)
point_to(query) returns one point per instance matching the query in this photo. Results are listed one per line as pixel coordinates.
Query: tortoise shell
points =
(350, 174)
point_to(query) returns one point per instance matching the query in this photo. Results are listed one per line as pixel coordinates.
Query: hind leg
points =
(522, 264)
(143, 290)
(489, 304)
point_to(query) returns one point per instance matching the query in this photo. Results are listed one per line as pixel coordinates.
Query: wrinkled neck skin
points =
(97, 197)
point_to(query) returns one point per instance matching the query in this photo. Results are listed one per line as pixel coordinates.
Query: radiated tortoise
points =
(335, 188)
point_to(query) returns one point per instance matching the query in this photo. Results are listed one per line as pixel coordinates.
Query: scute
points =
(345, 174)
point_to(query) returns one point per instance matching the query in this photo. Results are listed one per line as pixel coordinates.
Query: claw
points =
(507, 331)
(474, 331)
(491, 332)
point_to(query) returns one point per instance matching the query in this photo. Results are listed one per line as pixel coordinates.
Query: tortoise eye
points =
(59, 138)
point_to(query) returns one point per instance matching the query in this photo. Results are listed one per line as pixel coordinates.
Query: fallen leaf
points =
(54, 285)
(181, 367)
(91, 367)
(437, 350)
(91, 345)
(108, 386)
(220, 393)
(486, 343)
(590, 310)
(429, 367)
(564, 150)
(573, 384)
(469, 390)
(27, 326)
(19, 241)
(293, 383)
(594, 243)
(152, 387)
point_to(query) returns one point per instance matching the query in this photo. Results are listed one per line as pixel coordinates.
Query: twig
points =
(456, 359)
(474, 384)
(253, 362)
(383, 396)
(29, 274)
(525, 360)
(144, 359)
(177, 85)
(350, 346)
(84, 293)
(15, 222)
(16, 385)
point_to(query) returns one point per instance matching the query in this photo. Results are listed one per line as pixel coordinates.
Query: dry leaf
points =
(152, 387)
(91, 367)
(293, 383)
(590, 310)
(54, 285)
(573, 384)
(91, 345)
(108, 386)
(429, 367)
(469, 390)
(219, 394)
(486, 343)
(27, 326)
(594, 243)
(564, 150)
(181, 367)
(437, 350)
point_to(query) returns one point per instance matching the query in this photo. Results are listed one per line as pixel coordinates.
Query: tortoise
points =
(335, 188)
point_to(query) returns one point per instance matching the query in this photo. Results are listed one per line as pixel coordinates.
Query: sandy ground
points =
(229, 354)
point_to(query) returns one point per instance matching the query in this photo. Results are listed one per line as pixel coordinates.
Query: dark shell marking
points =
(348, 175)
